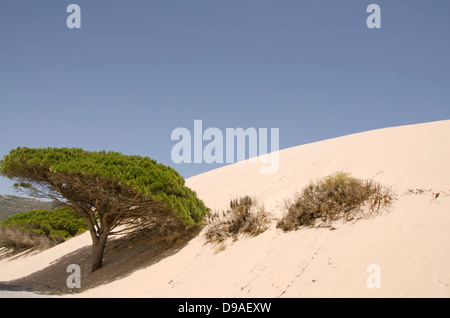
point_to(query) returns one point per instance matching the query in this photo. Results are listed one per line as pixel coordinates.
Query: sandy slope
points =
(411, 244)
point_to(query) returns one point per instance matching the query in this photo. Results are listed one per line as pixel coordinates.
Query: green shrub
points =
(27, 229)
(339, 196)
(243, 217)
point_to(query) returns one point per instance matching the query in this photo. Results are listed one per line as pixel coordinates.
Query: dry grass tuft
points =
(339, 196)
(20, 239)
(243, 217)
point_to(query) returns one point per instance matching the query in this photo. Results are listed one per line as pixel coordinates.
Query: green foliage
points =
(143, 174)
(58, 225)
(335, 197)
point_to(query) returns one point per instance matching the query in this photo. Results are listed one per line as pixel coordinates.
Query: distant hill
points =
(10, 205)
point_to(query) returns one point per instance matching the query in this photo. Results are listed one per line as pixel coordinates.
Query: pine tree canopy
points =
(142, 174)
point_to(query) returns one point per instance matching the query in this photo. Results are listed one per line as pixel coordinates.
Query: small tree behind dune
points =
(111, 191)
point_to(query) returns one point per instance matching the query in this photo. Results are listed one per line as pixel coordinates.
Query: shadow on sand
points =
(122, 257)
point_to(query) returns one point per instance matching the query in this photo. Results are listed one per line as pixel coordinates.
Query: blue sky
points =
(136, 70)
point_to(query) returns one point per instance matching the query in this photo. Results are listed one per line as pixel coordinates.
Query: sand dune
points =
(410, 245)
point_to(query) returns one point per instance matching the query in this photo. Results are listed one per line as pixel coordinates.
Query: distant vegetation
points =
(243, 217)
(339, 196)
(41, 228)
(11, 205)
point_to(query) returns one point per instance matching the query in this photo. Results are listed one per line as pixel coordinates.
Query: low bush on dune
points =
(18, 239)
(243, 217)
(339, 196)
(41, 228)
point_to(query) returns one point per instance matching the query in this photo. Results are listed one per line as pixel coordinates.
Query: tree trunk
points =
(98, 249)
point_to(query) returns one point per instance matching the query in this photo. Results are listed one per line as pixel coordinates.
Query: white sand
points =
(411, 244)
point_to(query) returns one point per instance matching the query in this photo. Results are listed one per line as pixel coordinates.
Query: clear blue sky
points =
(136, 70)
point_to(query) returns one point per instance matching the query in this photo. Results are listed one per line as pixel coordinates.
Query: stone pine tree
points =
(111, 191)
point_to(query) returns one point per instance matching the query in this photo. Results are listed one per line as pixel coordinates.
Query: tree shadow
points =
(122, 257)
